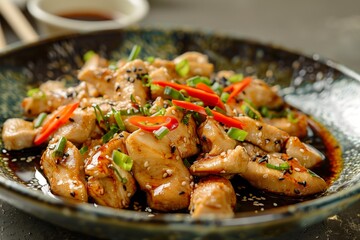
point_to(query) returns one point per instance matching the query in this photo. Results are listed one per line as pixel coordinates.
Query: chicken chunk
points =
(267, 137)
(18, 134)
(307, 155)
(65, 173)
(108, 184)
(198, 63)
(297, 128)
(213, 137)
(159, 171)
(213, 197)
(233, 161)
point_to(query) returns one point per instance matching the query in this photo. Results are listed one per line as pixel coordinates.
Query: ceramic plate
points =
(327, 91)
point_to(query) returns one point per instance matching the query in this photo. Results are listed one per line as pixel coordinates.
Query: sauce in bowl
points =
(87, 16)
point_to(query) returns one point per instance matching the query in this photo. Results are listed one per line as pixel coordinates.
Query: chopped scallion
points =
(36, 93)
(291, 116)
(134, 52)
(281, 167)
(150, 59)
(236, 78)
(99, 114)
(173, 93)
(118, 120)
(237, 134)
(192, 82)
(217, 88)
(122, 179)
(161, 132)
(60, 147)
(122, 160)
(83, 150)
(208, 111)
(39, 120)
(88, 55)
(161, 112)
(224, 96)
(249, 112)
(110, 134)
(182, 68)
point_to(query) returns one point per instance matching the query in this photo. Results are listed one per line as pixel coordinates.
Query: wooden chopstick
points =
(17, 21)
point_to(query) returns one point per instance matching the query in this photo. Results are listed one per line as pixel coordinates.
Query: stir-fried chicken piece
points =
(261, 94)
(159, 74)
(307, 155)
(297, 128)
(121, 84)
(108, 184)
(213, 197)
(213, 137)
(280, 173)
(198, 63)
(65, 173)
(159, 171)
(233, 161)
(18, 134)
(184, 137)
(267, 137)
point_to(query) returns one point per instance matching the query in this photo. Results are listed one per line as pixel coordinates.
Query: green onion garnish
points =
(161, 132)
(36, 93)
(217, 88)
(224, 96)
(122, 179)
(39, 120)
(186, 118)
(173, 93)
(182, 68)
(60, 147)
(186, 163)
(134, 52)
(312, 173)
(113, 66)
(236, 78)
(83, 150)
(208, 111)
(237, 134)
(122, 160)
(249, 112)
(118, 120)
(192, 82)
(110, 134)
(161, 112)
(291, 116)
(99, 114)
(88, 55)
(150, 59)
(281, 167)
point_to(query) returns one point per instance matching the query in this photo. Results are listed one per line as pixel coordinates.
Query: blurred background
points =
(330, 28)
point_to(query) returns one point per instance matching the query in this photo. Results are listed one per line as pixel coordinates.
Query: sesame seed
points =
(173, 112)
(147, 186)
(183, 183)
(170, 172)
(185, 140)
(223, 154)
(265, 175)
(302, 150)
(275, 204)
(297, 169)
(146, 164)
(222, 171)
(165, 175)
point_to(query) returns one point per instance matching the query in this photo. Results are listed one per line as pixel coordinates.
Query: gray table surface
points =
(327, 27)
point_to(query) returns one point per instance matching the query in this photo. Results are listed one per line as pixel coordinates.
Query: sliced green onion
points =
(192, 82)
(224, 96)
(249, 112)
(236, 78)
(217, 87)
(186, 163)
(145, 110)
(132, 99)
(291, 116)
(281, 167)
(186, 118)
(88, 55)
(182, 68)
(161, 112)
(208, 111)
(99, 114)
(220, 110)
(173, 93)
(129, 112)
(39, 120)
(312, 173)
(83, 150)
(150, 59)
(36, 93)
(134, 52)
(110, 134)
(161, 132)
(122, 160)
(237, 134)
(122, 179)
(113, 66)
(154, 87)
(60, 147)
(118, 120)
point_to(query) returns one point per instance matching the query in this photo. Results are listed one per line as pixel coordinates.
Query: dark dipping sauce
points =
(87, 16)
(25, 167)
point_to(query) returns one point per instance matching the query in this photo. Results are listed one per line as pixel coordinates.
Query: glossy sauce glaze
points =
(87, 16)
(25, 165)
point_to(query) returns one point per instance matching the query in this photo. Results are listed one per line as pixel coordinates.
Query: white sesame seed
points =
(223, 154)
(146, 164)
(191, 177)
(222, 171)
(169, 171)
(147, 186)
(297, 169)
(165, 175)
(185, 140)
(183, 183)
(265, 175)
(302, 150)
(178, 158)
(173, 112)
(275, 204)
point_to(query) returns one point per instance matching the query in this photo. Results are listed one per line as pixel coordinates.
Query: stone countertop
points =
(327, 27)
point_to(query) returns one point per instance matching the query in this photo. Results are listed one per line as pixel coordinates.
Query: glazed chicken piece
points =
(213, 197)
(233, 161)
(108, 184)
(159, 74)
(18, 134)
(119, 85)
(267, 137)
(65, 174)
(307, 155)
(159, 171)
(298, 128)
(281, 174)
(198, 63)
(213, 137)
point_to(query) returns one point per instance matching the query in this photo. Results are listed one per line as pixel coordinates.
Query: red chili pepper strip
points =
(229, 121)
(54, 123)
(237, 88)
(210, 99)
(204, 87)
(153, 123)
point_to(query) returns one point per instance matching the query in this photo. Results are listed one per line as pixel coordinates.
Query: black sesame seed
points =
(181, 193)
(265, 158)
(297, 191)
(128, 70)
(117, 88)
(303, 183)
(290, 158)
(259, 128)
(281, 178)
(203, 137)
(71, 120)
(277, 141)
(124, 187)
(173, 148)
(72, 194)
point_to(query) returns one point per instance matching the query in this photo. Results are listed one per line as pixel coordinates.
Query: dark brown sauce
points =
(249, 199)
(87, 16)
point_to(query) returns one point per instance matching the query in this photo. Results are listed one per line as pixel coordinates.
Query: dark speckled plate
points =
(327, 91)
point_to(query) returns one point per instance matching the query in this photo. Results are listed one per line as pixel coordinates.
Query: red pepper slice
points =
(236, 88)
(229, 121)
(210, 99)
(55, 122)
(204, 87)
(153, 123)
